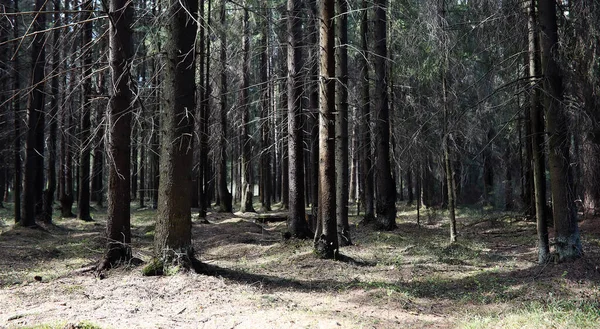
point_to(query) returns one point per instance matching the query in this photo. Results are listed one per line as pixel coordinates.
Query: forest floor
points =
(408, 278)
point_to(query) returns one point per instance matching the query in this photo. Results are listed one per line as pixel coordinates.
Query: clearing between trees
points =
(411, 277)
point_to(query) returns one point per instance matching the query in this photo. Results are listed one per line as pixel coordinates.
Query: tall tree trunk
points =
(265, 159)
(225, 197)
(368, 197)
(245, 141)
(313, 105)
(55, 92)
(83, 187)
(568, 243)
(326, 239)
(296, 223)
(17, 119)
(172, 241)
(386, 188)
(118, 227)
(341, 126)
(34, 161)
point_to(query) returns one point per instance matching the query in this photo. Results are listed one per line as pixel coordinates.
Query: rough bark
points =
(326, 240)
(341, 126)
(568, 243)
(172, 241)
(296, 224)
(118, 225)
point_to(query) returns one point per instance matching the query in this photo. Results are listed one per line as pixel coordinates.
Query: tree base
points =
(568, 248)
(171, 262)
(325, 250)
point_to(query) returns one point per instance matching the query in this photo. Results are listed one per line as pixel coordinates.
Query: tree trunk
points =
(34, 161)
(18, 177)
(225, 198)
(118, 227)
(326, 239)
(245, 141)
(366, 154)
(341, 127)
(83, 187)
(386, 188)
(172, 241)
(568, 243)
(296, 224)
(265, 158)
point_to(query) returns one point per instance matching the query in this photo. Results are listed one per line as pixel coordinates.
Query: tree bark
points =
(172, 241)
(265, 158)
(18, 177)
(326, 240)
(341, 126)
(34, 161)
(568, 243)
(296, 224)
(118, 225)
(386, 188)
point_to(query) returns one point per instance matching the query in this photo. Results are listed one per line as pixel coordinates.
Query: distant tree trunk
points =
(341, 127)
(225, 197)
(488, 170)
(265, 159)
(296, 224)
(508, 188)
(134, 140)
(18, 177)
(55, 93)
(409, 187)
(326, 239)
(118, 227)
(172, 241)
(83, 200)
(98, 162)
(568, 243)
(245, 142)
(366, 154)
(34, 161)
(386, 188)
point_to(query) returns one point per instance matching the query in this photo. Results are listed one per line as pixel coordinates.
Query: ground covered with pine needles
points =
(411, 277)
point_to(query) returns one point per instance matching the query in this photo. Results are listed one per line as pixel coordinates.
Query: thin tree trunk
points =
(245, 142)
(83, 187)
(225, 197)
(18, 177)
(341, 127)
(265, 163)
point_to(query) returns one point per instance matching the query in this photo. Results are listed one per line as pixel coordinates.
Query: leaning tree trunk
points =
(83, 187)
(326, 240)
(34, 161)
(118, 227)
(386, 188)
(173, 240)
(536, 123)
(568, 243)
(341, 127)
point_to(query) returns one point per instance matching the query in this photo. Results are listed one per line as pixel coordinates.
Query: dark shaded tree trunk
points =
(313, 104)
(568, 243)
(83, 187)
(368, 191)
(172, 241)
(386, 188)
(341, 126)
(326, 239)
(34, 161)
(118, 225)
(296, 224)
(409, 187)
(225, 197)
(18, 177)
(265, 154)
